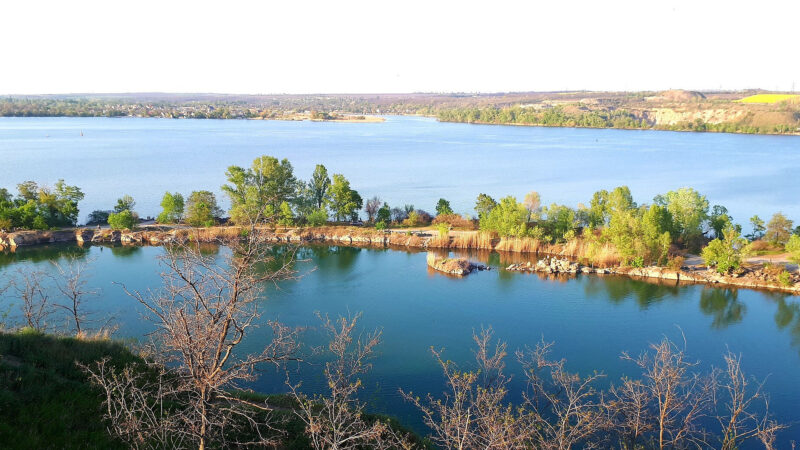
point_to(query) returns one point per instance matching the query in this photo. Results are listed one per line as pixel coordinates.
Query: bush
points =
(454, 220)
(318, 217)
(380, 225)
(785, 279)
(123, 220)
(725, 255)
(676, 262)
(793, 247)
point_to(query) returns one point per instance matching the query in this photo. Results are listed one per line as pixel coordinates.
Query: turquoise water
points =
(592, 319)
(403, 160)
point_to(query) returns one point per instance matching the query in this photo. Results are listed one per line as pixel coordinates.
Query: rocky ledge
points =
(453, 266)
(749, 278)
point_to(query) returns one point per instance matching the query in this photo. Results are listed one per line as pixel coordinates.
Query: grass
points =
(46, 401)
(768, 98)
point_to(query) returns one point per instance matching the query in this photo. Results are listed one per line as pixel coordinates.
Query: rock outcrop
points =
(453, 266)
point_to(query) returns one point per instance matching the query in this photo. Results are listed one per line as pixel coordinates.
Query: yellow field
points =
(768, 98)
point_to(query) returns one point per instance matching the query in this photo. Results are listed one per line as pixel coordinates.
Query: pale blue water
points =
(591, 319)
(403, 160)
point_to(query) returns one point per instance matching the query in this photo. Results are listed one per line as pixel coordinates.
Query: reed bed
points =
(482, 241)
(519, 245)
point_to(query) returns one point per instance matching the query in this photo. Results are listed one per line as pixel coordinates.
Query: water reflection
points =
(42, 253)
(723, 305)
(618, 289)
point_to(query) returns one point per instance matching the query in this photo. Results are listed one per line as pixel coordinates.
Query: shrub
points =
(793, 247)
(454, 220)
(318, 218)
(380, 225)
(675, 263)
(785, 279)
(123, 220)
(725, 255)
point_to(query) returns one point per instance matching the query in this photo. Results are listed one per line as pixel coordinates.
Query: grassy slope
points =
(46, 402)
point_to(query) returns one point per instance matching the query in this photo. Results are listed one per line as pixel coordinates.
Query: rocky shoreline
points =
(553, 264)
(453, 266)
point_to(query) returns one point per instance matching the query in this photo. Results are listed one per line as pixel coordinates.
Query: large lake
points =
(592, 319)
(403, 160)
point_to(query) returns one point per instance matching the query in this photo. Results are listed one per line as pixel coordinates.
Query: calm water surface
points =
(403, 160)
(591, 319)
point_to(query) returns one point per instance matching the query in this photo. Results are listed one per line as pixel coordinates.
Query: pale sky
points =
(265, 47)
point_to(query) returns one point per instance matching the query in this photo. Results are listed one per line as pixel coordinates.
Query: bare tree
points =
(533, 204)
(473, 413)
(71, 280)
(34, 298)
(738, 421)
(681, 398)
(629, 412)
(371, 207)
(201, 315)
(564, 408)
(335, 421)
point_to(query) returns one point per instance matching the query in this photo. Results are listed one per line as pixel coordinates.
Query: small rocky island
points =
(453, 266)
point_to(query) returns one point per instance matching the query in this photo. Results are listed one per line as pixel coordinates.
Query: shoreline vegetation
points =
(610, 234)
(569, 258)
(748, 112)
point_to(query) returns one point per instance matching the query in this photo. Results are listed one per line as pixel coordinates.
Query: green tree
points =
(793, 247)
(267, 183)
(779, 229)
(202, 209)
(443, 207)
(758, 228)
(719, 220)
(320, 182)
(171, 208)
(344, 201)
(560, 221)
(384, 214)
(286, 215)
(598, 211)
(483, 205)
(318, 218)
(725, 254)
(508, 218)
(126, 202)
(122, 220)
(689, 211)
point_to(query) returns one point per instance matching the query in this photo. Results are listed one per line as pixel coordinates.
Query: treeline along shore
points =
(676, 232)
(557, 259)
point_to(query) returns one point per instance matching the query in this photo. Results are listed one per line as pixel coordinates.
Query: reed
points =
(519, 245)
(481, 240)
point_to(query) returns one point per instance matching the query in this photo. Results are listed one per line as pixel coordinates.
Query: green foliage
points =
(98, 217)
(559, 222)
(443, 207)
(344, 202)
(558, 116)
(785, 278)
(719, 220)
(286, 216)
(640, 234)
(123, 220)
(689, 211)
(508, 218)
(779, 229)
(39, 207)
(320, 182)
(384, 214)
(443, 229)
(413, 219)
(267, 183)
(380, 225)
(318, 218)
(758, 228)
(725, 254)
(202, 209)
(172, 208)
(126, 202)
(484, 205)
(793, 247)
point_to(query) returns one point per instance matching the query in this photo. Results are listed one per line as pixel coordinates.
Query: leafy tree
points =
(719, 220)
(484, 205)
(598, 213)
(508, 218)
(384, 214)
(640, 234)
(443, 207)
(40, 207)
(126, 202)
(318, 218)
(725, 254)
(98, 217)
(172, 208)
(559, 222)
(202, 209)
(533, 203)
(122, 220)
(286, 215)
(779, 229)
(371, 207)
(320, 182)
(758, 228)
(267, 183)
(689, 211)
(793, 247)
(344, 201)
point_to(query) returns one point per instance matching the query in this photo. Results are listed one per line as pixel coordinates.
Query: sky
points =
(300, 47)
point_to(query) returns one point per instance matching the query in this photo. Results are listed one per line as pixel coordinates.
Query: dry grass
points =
(606, 256)
(481, 240)
(520, 245)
